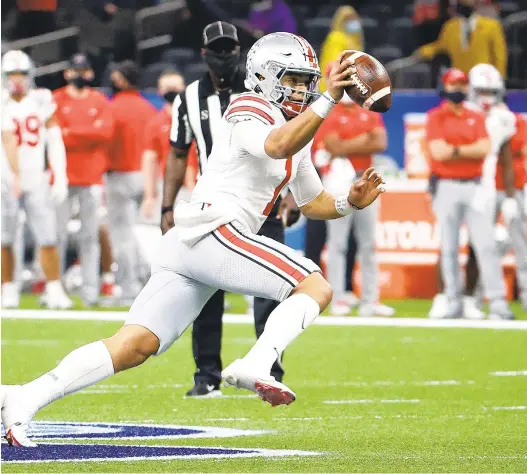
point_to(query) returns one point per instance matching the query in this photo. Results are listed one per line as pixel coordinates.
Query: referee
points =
(196, 113)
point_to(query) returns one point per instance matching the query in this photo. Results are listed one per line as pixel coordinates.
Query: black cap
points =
(79, 61)
(130, 71)
(218, 30)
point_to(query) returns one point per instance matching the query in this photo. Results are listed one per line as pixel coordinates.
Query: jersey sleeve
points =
(8, 123)
(180, 132)
(253, 122)
(307, 185)
(250, 107)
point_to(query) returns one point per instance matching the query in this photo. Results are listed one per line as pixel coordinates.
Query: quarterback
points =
(263, 145)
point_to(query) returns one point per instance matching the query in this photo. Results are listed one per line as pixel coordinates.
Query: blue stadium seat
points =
(387, 53)
(179, 57)
(418, 76)
(401, 33)
(317, 30)
(373, 35)
(194, 71)
(151, 74)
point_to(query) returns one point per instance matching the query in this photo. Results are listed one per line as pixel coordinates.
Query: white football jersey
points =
(8, 125)
(241, 182)
(501, 127)
(30, 116)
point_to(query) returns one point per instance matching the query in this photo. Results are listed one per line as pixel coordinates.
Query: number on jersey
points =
(28, 130)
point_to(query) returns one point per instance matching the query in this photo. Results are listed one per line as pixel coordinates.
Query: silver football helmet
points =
(486, 86)
(271, 58)
(17, 61)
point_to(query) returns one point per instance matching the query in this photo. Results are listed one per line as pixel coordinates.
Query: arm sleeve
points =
(249, 137)
(180, 133)
(307, 185)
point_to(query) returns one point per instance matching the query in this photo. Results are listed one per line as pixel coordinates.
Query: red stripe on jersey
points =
(261, 253)
(251, 97)
(288, 170)
(254, 110)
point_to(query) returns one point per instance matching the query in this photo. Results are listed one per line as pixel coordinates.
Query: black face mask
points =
(456, 97)
(465, 10)
(222, 65)
(170, 96)
(79, 82)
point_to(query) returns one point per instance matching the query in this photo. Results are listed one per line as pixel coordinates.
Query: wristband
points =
(323, 105)
(455, 153)
(166, 209)
(343, 206)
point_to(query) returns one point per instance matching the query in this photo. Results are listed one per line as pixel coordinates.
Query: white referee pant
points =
(89, 246)
(362, 223)
(518, 236)
(185, 277)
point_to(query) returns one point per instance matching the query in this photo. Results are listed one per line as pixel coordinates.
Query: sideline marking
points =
(352, 402)
(244, 319)
(510, 373)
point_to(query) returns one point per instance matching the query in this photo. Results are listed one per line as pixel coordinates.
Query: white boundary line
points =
(245, 319)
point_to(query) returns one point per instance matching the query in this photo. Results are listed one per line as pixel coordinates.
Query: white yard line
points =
(244, 319)
(510, 408)
(353, 402)
(510, 373)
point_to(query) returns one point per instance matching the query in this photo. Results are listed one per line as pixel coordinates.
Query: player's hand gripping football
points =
(339, 78)
(368, 188)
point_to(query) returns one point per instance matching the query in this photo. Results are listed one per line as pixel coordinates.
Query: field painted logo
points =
(104, 431)
(45, 453)
(67, 451)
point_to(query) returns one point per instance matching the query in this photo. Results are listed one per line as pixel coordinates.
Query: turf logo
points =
(46, 453)
(105, 431)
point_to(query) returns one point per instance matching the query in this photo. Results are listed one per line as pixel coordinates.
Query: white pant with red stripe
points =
(184, 278)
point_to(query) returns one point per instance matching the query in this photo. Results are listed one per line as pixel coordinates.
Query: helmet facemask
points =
(487, 98)
(18, 82)
(281, 95)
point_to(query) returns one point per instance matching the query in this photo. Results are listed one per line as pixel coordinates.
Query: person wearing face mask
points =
(469, 39)
(458, 144)
(197, 115)
(170, 85)
(124, 180)
(346, 33)
(87, 127)
(268, 16)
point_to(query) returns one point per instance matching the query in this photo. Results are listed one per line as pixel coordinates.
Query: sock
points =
(289, 319)
(81, 368)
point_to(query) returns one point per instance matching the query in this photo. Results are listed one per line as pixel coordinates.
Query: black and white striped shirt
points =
(196, 114)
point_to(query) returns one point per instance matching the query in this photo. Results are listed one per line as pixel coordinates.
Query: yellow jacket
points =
(487, 44)
(338, 40)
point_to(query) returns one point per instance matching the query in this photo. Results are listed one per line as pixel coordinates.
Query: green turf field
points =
(370, 399)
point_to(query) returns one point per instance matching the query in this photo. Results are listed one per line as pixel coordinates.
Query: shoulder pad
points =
(250, 106)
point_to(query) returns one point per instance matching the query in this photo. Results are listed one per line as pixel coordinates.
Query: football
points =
(372, 88)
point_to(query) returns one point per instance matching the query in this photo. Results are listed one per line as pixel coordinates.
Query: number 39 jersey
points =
(241, 182)
(29, 117)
